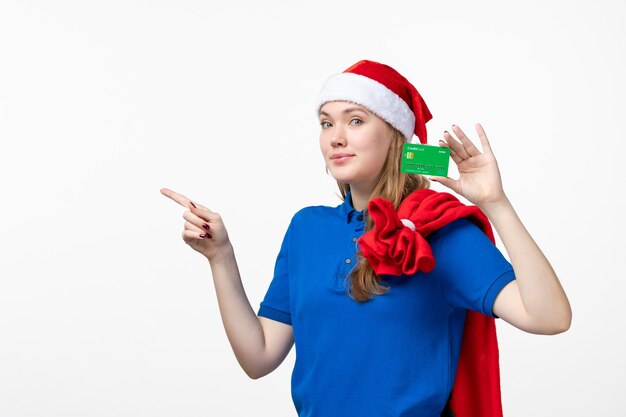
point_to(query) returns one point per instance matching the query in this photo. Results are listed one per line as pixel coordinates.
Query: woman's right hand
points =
(201, 221)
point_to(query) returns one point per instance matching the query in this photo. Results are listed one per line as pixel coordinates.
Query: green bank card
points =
(425, 159)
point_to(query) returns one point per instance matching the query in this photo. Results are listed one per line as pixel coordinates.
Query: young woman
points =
(391, 296)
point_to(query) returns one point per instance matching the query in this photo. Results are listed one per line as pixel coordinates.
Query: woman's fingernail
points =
(206, 226)
(445, 131)
(453, 125)
(194, 206)
(202, 236)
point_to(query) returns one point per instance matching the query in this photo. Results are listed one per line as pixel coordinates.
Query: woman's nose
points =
(338, 137)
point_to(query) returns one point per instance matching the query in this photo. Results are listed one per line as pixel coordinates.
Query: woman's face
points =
(347, 128)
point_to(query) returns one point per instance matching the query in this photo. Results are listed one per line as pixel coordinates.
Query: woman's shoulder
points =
(309, 211)
(306, 216)
(460, 225)
(458, 233)
(316, 212)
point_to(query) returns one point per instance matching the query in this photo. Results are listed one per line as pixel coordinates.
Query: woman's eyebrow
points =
(345, 111)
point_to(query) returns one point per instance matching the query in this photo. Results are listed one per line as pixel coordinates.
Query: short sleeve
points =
(470, 268)
(276, 303)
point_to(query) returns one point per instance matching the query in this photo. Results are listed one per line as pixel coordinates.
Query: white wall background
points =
(104, 311)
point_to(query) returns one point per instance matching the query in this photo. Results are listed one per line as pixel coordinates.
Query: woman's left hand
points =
(479, 180)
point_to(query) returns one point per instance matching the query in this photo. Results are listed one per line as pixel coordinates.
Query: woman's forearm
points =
(241, 323)
(540, 289)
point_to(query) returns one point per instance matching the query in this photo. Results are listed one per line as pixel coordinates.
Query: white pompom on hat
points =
(383, 91)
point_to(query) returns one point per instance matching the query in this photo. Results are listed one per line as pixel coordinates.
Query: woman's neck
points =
(360, 197)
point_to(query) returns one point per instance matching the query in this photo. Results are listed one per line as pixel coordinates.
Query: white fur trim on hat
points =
(372, 95)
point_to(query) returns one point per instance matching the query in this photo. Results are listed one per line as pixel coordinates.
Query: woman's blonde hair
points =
(394, 186)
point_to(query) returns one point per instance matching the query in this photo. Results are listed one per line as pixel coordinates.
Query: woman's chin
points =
(343, 178)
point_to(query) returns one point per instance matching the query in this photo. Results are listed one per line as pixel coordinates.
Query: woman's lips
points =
(341, 159)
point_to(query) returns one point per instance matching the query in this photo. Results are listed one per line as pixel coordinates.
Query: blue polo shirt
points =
(397, 354)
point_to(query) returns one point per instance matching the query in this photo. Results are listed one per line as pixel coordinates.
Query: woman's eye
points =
(323, 124)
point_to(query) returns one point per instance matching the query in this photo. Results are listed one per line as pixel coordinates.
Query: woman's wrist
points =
(499, 205)
(220, 254)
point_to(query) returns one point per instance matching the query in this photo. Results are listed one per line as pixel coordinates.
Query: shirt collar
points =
(346, 208)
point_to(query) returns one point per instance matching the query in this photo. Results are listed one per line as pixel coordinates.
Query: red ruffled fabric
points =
(394, 249)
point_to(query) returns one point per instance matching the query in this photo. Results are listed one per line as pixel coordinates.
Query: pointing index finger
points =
(183, 201)
(179, 198)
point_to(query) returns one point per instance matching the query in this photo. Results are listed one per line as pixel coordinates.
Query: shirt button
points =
(360, 217)
(354, 239)
(348, 260)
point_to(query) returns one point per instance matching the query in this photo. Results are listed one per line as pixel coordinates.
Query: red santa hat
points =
(383, 91)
